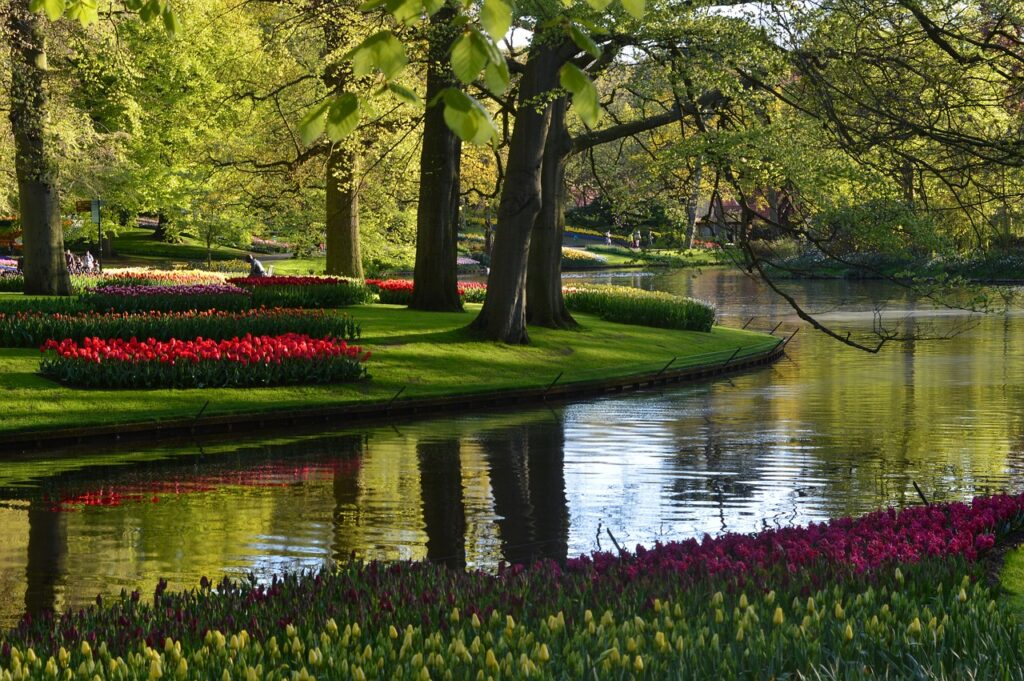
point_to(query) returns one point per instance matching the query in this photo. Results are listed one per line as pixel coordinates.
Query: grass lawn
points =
(428, 354)
(138, 244)
(1012, 578)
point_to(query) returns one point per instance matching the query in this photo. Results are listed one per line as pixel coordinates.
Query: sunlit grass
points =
(426, 354)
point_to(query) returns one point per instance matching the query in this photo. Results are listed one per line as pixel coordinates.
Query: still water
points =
(826, 431)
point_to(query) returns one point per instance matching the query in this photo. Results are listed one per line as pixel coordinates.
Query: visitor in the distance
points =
(256, 268)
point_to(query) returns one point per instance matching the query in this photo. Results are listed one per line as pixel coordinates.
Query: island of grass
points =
(415, 355)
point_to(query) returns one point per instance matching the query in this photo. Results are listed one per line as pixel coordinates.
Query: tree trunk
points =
(444, 511)
(343, 257)
(342, 219)
(503, 316)
(46, 271)
(691, 204)
(436, 270)
(545, 304)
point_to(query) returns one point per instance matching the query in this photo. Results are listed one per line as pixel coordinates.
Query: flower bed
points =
(627, 305)
(11, 282)
(286, 359)
(904, 613)
(32, 329)
(127, 298)
(575, 257)
(312, 292)
(399, 291)
(149, 277)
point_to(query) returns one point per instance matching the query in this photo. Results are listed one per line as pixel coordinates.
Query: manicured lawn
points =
(428, 354)
(1012, 578)
(139, 244)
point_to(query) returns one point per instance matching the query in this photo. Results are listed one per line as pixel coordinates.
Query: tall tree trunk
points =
(503, 316)
(691, 204)
(342, 219)
(440, 163)
(46, 271)
(545, 303)
(343, 256)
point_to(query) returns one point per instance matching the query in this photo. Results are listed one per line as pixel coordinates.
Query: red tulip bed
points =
(285, 359)
(307, 292)
(399, 291)
(896, 595)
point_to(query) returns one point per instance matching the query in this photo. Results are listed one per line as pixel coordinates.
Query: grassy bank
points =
(427, 354)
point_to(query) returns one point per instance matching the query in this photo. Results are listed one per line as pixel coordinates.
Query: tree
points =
(437, 214)
(46, 271)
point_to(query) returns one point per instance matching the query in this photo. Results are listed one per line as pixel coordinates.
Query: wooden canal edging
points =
(340, 416)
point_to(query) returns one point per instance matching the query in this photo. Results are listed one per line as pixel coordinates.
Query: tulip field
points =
(888, 595)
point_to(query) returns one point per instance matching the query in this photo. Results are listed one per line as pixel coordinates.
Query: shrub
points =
(225, 266)
(309, 292)
(248, 361)
(627, 305)
(122, 298)
(32, 329)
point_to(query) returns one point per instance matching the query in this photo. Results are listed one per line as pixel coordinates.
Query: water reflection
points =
(827, 431)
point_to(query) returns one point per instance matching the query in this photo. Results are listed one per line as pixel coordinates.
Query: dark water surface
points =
(827, 431)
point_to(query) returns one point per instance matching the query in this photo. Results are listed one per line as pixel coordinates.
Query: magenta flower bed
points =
(864, 543)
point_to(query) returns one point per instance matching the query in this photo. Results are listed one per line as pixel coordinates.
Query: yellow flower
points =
(779, 617)
(475, 621)
(743, 601)
(543, 654)
(899, 575)
(182, 670)
(962, 596)
(914, 628)
(86, 650)
(455, 615)
(392, 632)
(840, 613)
(155, 670)
(638, 663)
(719, 616)
(848, 632)
(490, 660)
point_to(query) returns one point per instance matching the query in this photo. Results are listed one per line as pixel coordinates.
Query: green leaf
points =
(371, 5)
(151, 10)
(467, 118)
(496, 77)
(342, 117)
(634, 7)
(432, 6)
(584, 41)
(54, 8)
(405, 11)
(83, 11)
(405, 94)
(469, 56)
(584, 94)
(312, 124)
(496, 18)
(171, 23)
(599, 5)
(382, 51)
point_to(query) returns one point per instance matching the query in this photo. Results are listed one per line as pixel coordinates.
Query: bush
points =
(119, 298)
(32, 329)
(308, 292)
(287, 359)
(627, 305)
(225, 266)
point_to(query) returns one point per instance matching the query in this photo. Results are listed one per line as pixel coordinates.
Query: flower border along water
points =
(894, 595)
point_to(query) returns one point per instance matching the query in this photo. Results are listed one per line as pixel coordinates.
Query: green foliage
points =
(627, 305)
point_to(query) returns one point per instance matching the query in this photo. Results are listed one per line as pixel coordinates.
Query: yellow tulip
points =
(779, 616)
